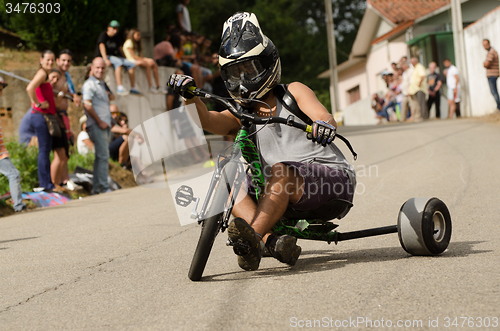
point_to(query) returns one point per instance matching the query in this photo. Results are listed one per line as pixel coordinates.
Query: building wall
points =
(350, 78)
(482, 101)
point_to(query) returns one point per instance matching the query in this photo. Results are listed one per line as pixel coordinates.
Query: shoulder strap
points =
(288, 101)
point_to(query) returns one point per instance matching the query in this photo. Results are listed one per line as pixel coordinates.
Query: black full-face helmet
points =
(249, 62)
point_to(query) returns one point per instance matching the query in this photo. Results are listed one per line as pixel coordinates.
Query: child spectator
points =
(133, 51)
(109, 47)
(8, 169)
(42, 101)
(118, 148)
(83, 143)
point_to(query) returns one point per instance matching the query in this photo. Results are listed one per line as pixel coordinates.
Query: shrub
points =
(25, 159)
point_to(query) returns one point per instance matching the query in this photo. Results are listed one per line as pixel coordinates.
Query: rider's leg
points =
(284, 186)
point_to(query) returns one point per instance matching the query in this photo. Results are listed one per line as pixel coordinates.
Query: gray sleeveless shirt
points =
(281, 143)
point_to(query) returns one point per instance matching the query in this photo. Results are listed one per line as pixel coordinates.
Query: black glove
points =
(322, 133)
(180, 84)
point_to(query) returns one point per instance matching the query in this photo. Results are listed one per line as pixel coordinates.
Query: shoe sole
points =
(240, 230)
(287, 247)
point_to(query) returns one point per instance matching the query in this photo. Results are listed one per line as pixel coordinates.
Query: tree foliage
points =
(297, 27)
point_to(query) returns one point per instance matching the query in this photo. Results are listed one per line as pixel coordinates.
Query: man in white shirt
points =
(453, 84)
(405, 86)
(183, 19)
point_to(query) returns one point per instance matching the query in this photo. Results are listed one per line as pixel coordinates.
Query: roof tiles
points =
(398, 11)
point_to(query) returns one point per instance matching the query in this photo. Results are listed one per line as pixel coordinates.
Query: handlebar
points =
(290, 121)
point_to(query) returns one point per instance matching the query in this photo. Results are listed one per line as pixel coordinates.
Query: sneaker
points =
(246, 244)
(161, 90)
(284, 248)
(153, 90)
(121, 91)
(134, 90)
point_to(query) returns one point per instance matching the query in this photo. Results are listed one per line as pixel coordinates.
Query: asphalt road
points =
(119, 261)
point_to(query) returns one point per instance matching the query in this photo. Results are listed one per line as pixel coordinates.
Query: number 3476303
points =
(32, 8)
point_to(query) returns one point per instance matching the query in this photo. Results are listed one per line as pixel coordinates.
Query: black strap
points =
(288, 101)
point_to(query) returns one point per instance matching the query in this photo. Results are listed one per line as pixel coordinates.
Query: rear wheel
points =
(210, 226)
(424, 226)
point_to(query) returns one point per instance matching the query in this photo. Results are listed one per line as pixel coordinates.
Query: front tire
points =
(210, 226)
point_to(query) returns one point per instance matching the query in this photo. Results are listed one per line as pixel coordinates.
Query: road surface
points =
(119, 261)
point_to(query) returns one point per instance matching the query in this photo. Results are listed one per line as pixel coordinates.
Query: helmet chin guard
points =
(249, 61)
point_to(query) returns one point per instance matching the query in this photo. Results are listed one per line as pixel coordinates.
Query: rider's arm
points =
(309, 104)
(223, 123)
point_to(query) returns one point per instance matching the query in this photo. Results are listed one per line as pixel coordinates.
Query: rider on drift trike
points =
(300, 175)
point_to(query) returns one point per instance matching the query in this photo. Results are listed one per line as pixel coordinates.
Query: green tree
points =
(76, 26)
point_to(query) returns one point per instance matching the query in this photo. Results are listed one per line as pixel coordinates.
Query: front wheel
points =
(424, 226)
(211, 225)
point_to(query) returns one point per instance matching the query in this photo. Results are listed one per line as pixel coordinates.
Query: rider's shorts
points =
(321, 184)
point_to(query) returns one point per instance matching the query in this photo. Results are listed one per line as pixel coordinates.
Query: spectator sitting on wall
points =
(109, 47)
(83, 143)
(197, 73)
(133, 51)
(164, 54)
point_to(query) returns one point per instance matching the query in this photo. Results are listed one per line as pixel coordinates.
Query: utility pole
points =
(145, 25)
(460, 57)
(332, 57)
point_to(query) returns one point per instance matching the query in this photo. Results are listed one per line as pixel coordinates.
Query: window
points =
(353, 95)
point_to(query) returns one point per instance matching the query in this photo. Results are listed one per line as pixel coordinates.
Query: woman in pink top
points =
(42, 102)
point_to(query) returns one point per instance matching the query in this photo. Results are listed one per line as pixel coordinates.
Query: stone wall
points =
(138, 108)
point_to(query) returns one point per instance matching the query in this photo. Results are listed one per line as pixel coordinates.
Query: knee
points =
(279, 171)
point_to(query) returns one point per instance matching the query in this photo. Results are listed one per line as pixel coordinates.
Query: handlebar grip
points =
(309, 129)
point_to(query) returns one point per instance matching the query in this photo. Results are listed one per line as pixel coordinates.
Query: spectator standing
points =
(59, 165)
(8, 169)
(26, 130)
(492, 70)
(453, 84)
(109, 47)
(42, 101)
(183, 20)
(405, 86)
(133, 52)
(417, 90)
(60, 145)
(435, 82)
(96, 104)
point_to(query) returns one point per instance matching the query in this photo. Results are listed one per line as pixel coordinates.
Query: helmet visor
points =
(246, 71)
